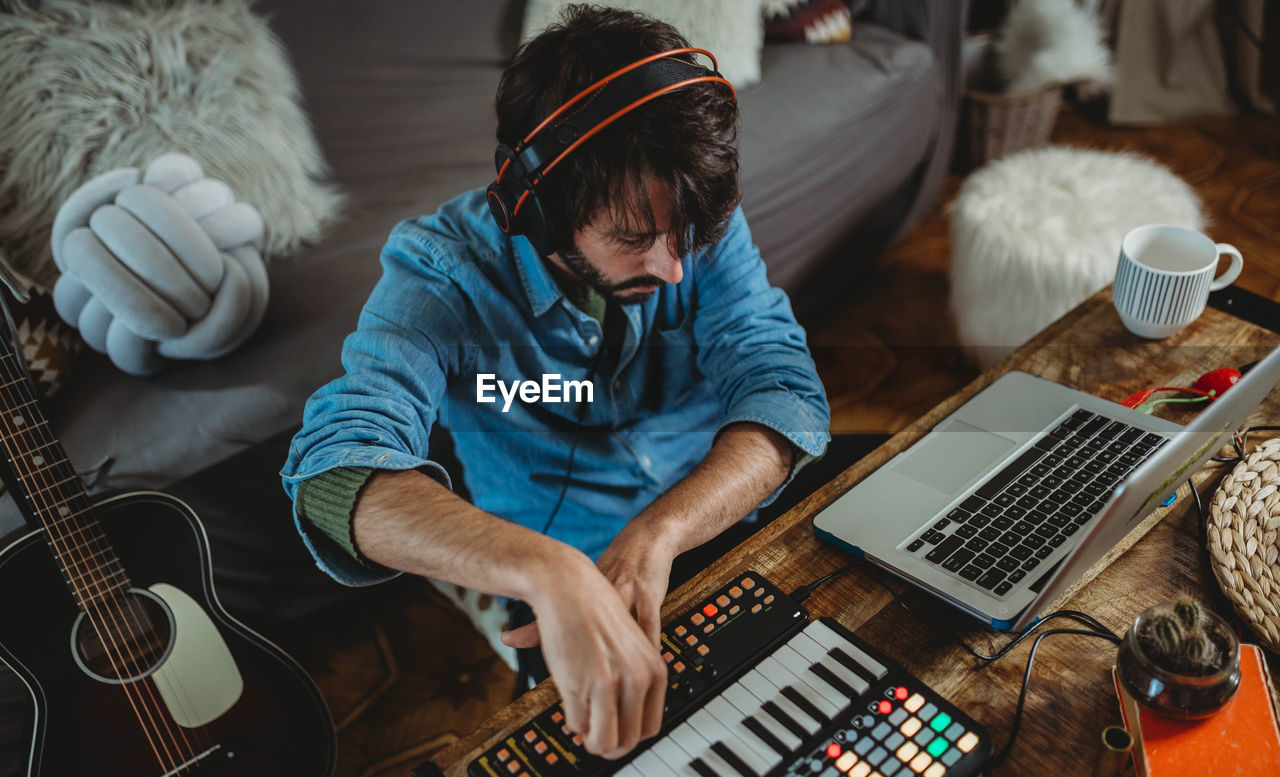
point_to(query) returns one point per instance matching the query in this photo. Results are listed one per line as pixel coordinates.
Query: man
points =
(702, 400)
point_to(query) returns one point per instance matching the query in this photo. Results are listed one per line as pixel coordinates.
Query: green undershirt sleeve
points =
(327, 501)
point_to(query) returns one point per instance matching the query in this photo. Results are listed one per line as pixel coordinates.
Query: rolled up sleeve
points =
(753, 351)
(379, 413)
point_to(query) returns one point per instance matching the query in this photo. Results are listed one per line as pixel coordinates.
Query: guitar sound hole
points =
(125, 639)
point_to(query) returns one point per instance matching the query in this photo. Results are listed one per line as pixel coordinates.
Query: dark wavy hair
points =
(685, 140)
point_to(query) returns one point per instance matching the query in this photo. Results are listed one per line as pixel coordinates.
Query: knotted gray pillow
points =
(159, 264)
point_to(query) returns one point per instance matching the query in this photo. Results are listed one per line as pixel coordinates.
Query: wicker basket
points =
(999, 124)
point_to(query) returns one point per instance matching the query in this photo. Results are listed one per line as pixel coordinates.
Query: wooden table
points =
(1071, 697)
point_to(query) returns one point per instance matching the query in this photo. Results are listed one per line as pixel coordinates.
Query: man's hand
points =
(638, 563)
(607, 670)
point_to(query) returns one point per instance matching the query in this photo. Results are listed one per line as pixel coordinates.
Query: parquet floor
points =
(406, 675)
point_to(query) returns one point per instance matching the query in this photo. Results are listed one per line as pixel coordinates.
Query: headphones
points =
(512, 198)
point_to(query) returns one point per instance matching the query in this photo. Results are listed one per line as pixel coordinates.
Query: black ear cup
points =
(514, 203)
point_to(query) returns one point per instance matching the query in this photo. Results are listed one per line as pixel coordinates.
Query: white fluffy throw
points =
(1048, 42)
(1035, 233)
(159, 264)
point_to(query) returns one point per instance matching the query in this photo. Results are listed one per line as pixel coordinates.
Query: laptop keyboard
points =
(1027, 510)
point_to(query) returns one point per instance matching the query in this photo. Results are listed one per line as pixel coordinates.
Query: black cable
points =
(802, 593)
(1238, 442)
(573, 446)
(1000, 757)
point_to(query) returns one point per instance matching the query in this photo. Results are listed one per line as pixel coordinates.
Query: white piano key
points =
(650, 765)
(674, 757)
(749, 705)
(823, 635)
(629, 771)
(697, 746)
(810, 648)
(798, 681)
(762, 682)
(710, 727)
(731, 718)
(799, 666)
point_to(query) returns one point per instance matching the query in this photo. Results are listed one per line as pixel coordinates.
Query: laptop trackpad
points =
(949, 458)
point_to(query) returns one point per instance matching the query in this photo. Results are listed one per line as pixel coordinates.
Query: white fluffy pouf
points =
(1036, 233)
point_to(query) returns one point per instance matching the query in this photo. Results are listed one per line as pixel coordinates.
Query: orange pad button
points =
(722, 600)
(747, 582)
(540, 748)
(530, 735)
(552, 759)
(513, 766)
(503, 754)
(702, 650)
(691, 640)
(735, 592)
(757, 608)
(681, 631)
(697, 619)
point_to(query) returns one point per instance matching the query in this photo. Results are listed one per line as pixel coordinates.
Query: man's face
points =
(622, 264)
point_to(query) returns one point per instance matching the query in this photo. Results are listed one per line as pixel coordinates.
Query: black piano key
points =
(705, 771)
(766, 736)
(853, 665)
(804, 704)
(786, 720)
(731, 758)
(835, 682)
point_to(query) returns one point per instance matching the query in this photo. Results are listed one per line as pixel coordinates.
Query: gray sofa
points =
(843, 147)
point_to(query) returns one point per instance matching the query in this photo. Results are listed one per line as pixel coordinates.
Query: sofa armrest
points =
(941, 24)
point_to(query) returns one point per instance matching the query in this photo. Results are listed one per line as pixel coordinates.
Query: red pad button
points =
(900, 693)
(833, 750)
(884, 707)
(710, 610)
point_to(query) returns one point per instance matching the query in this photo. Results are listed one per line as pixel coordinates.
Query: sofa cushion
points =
(869, 111)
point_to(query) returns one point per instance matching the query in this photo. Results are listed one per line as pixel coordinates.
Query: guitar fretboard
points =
(52, 490)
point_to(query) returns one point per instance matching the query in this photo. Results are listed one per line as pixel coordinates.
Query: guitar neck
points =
(45, 482)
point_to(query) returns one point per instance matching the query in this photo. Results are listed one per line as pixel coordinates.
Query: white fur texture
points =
(1035, 233)
(732, 30)
(88, 87)
(1047, 42)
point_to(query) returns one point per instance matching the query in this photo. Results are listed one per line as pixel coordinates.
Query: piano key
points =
(786, 716)
(715, 732)
(731, 718)
(798, 666)
(676, 759)
(797, 698)
(842, 656)
(651, 765)
(822, 709)
(730, 757)
(702, 769)
(828, 676)
(823, 635)
(770, 692)
(629, 770)
(766, 735)
(749, 704)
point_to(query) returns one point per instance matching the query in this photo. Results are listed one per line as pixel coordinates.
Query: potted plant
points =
(1180, 660)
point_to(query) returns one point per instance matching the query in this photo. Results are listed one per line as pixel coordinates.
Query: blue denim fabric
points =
(458, 298)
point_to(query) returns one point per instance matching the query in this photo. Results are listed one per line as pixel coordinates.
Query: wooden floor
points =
(408, 675)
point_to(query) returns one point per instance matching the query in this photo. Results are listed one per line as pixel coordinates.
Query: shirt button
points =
(593, 339)
(645, 461)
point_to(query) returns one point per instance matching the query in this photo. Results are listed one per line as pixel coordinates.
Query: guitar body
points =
(219, 699)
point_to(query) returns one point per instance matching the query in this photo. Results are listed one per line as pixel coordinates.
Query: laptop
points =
(1011, 498)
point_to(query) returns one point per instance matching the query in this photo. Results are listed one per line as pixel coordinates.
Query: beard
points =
(589, 274)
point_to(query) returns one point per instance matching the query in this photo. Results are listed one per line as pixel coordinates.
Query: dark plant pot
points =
(1172, 694)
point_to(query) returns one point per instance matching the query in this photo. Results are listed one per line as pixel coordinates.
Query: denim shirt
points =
(459, 300)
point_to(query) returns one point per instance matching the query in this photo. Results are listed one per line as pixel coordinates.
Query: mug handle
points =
(1233, 272)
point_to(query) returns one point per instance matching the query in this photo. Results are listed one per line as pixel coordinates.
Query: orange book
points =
(1240, 739)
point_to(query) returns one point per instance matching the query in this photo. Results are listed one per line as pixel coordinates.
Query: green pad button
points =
(937, 747)
(940, 722)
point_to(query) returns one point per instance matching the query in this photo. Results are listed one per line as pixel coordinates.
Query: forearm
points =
(407, 521)
(746, 463)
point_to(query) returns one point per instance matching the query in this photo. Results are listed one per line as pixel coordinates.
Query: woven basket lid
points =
(1244, 540)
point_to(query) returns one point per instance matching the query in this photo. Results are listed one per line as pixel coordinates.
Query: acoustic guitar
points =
(109, 616)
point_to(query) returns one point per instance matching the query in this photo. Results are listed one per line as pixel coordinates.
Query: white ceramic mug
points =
(1165, 275)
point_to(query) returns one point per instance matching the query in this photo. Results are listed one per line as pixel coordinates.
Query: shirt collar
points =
(541, 289)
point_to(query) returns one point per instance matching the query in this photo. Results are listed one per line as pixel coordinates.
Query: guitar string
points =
(76, 580)
(176, 687)
(77, 577)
